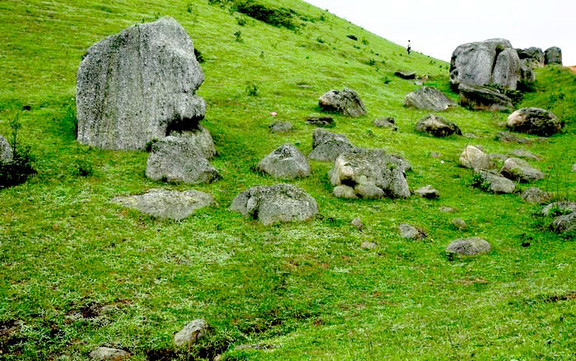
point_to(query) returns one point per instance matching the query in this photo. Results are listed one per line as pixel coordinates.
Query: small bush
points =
(251, 89)
(238, 36)
(353, 37)
(20, 167)
(241, 21)
(275, 17)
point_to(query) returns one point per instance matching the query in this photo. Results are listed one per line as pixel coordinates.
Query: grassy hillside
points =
(79, 272)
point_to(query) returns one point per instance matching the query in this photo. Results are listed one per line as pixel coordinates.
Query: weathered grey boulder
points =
(285, 162)
(520, 170)
(533, 57)
(559, 208)
(553, 55)
(191, 333)
(534, 121)
(428, 192)
(437, 126)
(138, 85)
(167, 204)
(536, 195)
(109, 354)
(564, 224)
(180, 159)
(276, 204)
(490, 182)
(5, 150)
(371, 173)
(280, 127)
(410, 232)
(386, 122)
(475, 158)
(345, 102)
(327, 146)
(482, 98)
(491, 61)
(468, 246)
(428, 98)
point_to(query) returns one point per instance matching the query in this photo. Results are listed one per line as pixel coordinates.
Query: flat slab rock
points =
(468, 246)
(167, 204)
(520, 170)
(490, 182)
(276, 204)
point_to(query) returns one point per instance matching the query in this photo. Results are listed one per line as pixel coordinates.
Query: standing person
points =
(408, 48)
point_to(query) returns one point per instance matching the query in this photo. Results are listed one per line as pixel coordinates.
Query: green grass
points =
(305, 291)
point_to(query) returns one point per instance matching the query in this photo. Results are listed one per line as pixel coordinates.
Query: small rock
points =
(471, 136)
(368, 245)
(536, 195)
(408, 75)
(468, 246)
(386, 122)
(519, 170)
(191, 333)
(428, 192)
(346, 102)
(286, 162)
(574, 168)
(435, 155)
(508, 137)
(109, 354)
(522, 153)
(494, 183)
(447, 209)
(5, 150)
(459, 223)
(324, 122)
(357, 222)
(437, 126)
(411, 232)
(475, 158)
(280, 127)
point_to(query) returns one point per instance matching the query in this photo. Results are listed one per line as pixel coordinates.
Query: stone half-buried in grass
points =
(491, 182)
(276, 204)
(191, 333)
(109, 354)
(437, 126)
(428, 98)
(5, 150)
(520, 170)
(346, 102)
(468, 247)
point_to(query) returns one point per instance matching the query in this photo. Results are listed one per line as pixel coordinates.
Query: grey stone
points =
(286, 162)
(519, 170)
(428, 192)
(343, 191)
(437, 126)
(191, 333)
(508, 137)
(494, 183)
(564, 224)
(5, 150)
(559, 208)
(167, 204)
(553, 55)
(325, 122)
(275, 204)
(523, 153)
(468, 246)
(346, 102)
(410, 232)
(459, 223)
(138, 85)
(482, 98)
(428, 98)
(527, 75)
(368, 169)
(357, 222)
(574, 167)
(408, 75)
(533, 57)
(475, 158)
(386, 122)
(280, 127)
(368, 245)
(447, 209)
(109, 354)
(507, 70)
(536, 195)
(327, 146)
(179, 159)
(534, 121)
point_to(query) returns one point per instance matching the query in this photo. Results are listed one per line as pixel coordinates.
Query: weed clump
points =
(17, 170)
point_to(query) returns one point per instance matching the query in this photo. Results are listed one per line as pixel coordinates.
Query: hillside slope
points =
(79, 272)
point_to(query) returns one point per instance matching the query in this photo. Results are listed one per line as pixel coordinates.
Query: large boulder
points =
(468, 247)
(5, 150)
(327, 146)
(473, 157)
(276, 204)
(285, 162)
(138, 85)
(520, 170)
(345, 102)
(437, 126)
(428, 98)
(553, 55)
(369, 173)
(179, 159)
(534, 121)
(167, 204)
(487, 62)
(533, 57)
(482, 98)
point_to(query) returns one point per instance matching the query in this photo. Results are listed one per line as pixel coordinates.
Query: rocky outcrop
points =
(327, 146)
(428, 98)
(534, 121)
(519, 170)
(369, 173)
(437, 126)
(285, 162)
(346, 102)
(276, 204)
(5, 150)
(482, 98)
(553, 55)
(138, 85)
(507, 70)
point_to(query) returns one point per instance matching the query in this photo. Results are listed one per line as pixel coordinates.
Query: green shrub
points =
(20, 167)
(275, 17)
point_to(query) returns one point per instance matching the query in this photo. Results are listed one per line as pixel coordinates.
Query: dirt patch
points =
(10, 342)
(572, 69)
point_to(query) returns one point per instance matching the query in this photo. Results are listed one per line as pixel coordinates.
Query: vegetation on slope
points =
(79, 272)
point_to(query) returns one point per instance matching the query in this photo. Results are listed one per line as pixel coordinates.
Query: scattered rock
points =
(490, 182)
(482, 98)
(534, 121)
(167, 204)
(536, 195)
(533, 57)
(280, 127)
(435, 155)
(559, 208)
(386, 122)
(276, 204)
(109, 354)
(5, 150)
(459, 223)
(428, 192)
(519, 170)
(324, 122)
(138, 85)
(346, 102)
(286, 162)
(508, 137)
(428, 98)
(522, 153)
(564, 224)
(553, 55)
(475, 158)
(343, 191)
(468, 247)
(408, 75)
(357, 222)
(179, 159)
(191, 333)
(371, 173)
(471, 136)
(574, 168)
(368, 245)
(327, 146)
(411, 232)
(447, 209)
(437, 126)
(498, 156)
